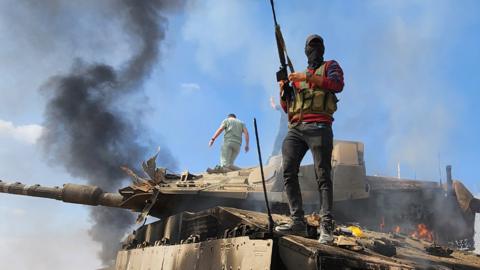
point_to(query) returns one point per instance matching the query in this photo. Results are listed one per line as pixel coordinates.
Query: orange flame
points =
(422, 232)
(397, 229)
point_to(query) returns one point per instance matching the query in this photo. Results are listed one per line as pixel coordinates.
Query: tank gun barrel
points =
(70, 193)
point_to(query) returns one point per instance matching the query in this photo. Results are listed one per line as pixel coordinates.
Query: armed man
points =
(310, 112)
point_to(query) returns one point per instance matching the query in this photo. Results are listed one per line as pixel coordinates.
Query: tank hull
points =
(222, 241)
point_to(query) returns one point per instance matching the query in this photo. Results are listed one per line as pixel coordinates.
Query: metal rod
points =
(270, 219)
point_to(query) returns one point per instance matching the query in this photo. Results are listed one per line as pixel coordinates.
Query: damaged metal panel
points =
(302, 253)
(350, 182)
(231, 253)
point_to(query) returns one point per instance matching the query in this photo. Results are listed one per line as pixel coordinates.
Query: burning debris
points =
(422, 232)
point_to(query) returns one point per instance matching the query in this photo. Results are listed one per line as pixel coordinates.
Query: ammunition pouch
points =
(313, 100)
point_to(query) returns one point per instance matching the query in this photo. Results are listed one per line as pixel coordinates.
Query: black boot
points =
(294, 227)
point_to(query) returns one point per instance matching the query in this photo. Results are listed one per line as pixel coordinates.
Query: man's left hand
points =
(297, 77)
(246, 148)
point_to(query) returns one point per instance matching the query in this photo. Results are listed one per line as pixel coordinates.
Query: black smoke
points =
(89, 130)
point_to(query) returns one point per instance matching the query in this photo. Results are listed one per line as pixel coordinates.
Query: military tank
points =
(218, 221)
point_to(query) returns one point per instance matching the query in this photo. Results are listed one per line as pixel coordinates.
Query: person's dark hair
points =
(232, 115)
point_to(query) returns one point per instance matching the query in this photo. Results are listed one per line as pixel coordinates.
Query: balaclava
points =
(314, 50)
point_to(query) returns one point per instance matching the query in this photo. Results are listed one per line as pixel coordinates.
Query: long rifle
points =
(282, 73)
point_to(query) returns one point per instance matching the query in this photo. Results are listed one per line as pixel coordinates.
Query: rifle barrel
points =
(273, 11)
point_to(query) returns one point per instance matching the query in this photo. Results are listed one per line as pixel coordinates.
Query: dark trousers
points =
(318, 138)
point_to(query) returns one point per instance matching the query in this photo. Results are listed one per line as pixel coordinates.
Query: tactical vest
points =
(313, 101)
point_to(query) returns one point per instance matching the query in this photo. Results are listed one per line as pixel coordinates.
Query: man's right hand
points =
(210, 143)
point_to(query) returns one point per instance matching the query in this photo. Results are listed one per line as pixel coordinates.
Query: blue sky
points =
(410, 84)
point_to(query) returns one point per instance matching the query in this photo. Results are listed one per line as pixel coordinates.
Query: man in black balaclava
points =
(314, 50)
(310, 115)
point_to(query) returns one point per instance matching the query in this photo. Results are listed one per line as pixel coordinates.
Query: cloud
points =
(190, 87)
(26, 133)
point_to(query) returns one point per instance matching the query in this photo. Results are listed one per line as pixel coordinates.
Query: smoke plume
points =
(88, 129)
